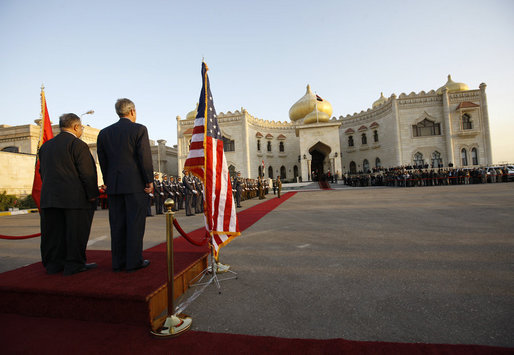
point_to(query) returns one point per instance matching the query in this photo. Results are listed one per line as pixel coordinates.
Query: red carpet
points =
(63, 336)
(99, 294)
(324, 185)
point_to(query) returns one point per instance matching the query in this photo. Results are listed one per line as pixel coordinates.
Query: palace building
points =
(440, 128)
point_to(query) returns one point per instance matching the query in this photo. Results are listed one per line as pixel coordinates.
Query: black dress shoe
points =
(144, 264)
(86, 267)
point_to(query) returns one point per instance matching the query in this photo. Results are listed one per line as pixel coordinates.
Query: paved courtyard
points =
(431, 264)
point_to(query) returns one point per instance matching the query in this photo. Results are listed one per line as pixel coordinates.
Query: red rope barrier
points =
(188, 238)
(12, 237)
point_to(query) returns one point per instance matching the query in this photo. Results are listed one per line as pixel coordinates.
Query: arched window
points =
(464, 156)
(426, 128)
(350, 141)
(295, 171)
(364, 139)
(353, 167)
(283, 172)
(228, 145)
(378, 163)
(269, 146)
(418, 159)
(375, 136)
(260, 170)
(466, 122)
(232, 171)
(11, 149)
(365, 165)
(474, 156)
(270, 172)
(281, 146)
(258, 144)
(437, 162)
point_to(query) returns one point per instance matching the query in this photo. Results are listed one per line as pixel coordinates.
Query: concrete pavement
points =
(428, 264)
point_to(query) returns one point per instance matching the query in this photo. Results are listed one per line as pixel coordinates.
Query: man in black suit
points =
(126, 163)
(68, 199)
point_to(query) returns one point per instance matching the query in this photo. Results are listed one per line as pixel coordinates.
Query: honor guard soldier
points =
(166, 187)
(180, 191)
(199, 195)
(261, 188)
(189, 192)
(238, 186)
(158, 193)
(173, 192)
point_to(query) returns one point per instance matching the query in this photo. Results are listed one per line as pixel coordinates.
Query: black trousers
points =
(64, 237)
(127, 218)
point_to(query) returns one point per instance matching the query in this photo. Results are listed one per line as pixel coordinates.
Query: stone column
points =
(309, 177)
(246, 146)
(448, 128)
(486, 132)
(397, 134)
(161, 154)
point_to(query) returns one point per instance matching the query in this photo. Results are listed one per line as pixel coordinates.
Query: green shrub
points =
(11, 201)
(7, 201)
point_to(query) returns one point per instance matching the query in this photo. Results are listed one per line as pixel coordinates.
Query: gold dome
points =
(192, 115)
(314, 117)
(307, 104)
(452, 86)
(380, 100)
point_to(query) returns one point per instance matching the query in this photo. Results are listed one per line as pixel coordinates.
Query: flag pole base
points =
(173, 326)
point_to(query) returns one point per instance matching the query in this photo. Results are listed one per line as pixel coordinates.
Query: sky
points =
(261, 55)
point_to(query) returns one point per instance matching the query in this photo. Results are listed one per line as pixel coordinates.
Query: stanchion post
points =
(174, 324)
(170, 215)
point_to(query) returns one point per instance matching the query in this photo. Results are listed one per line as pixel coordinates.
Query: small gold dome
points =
(307, 104)
(452, 86)
(314, 117)
(192, 115)
(380, 100)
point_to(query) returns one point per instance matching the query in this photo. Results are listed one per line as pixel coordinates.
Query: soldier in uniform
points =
(158, 193)
(260, 186)
(166, 189)
(279, 186)
(189, 191)
(238, 186)
(199, 195)
(174, 194)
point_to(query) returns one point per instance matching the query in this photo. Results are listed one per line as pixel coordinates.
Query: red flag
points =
(45, 135)
(206, 160)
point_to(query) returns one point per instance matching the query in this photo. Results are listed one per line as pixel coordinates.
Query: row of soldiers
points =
(186, 192)
(421, 177)
(245, 188)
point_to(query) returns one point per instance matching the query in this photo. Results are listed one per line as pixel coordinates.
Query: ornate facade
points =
(440, 128)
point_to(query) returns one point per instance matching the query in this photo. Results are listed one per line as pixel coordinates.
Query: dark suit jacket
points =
(68, 172)
(125, 157)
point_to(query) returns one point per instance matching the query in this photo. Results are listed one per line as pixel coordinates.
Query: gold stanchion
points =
(174, 324)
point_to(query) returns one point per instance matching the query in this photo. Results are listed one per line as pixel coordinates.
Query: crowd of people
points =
(408, 176)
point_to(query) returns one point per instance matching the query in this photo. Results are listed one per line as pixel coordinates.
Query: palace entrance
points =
(319, 164)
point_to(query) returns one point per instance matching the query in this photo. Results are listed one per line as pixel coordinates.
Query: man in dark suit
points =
(68, 199)
(126, 163)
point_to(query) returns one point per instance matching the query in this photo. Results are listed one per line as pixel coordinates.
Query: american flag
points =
(207, 161)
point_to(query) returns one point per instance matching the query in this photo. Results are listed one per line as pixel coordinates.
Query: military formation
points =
(411, 177)
(186, 193)
(246, 189)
